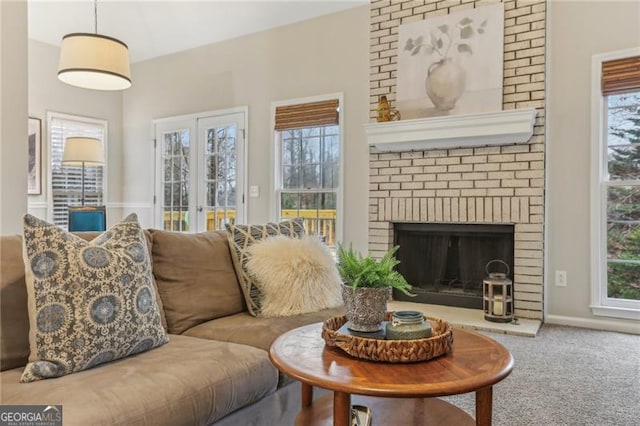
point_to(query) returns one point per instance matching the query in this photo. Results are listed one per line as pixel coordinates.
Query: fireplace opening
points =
(445, 263)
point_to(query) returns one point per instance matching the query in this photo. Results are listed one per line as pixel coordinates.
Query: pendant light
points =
(94, 61)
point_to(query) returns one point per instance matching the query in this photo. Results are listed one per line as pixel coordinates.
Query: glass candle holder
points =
(407, 325)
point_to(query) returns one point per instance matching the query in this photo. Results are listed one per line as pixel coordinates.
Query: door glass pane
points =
(221, 188)
(211, 165)
(231, 168)
(211, 142)
(231, 195)
(176, 175)
(211, 199)
(221, 176)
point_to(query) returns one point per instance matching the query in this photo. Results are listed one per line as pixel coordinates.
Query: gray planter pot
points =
(366, 307)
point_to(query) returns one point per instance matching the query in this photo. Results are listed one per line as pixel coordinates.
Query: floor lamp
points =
(81, 151)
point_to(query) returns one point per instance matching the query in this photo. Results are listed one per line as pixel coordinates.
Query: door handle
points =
(200, 208)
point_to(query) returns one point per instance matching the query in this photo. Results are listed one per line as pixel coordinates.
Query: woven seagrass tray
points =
(440, 343)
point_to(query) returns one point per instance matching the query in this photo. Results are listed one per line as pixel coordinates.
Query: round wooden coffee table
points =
(475, 364)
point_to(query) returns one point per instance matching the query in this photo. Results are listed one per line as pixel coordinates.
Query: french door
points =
(200, 171)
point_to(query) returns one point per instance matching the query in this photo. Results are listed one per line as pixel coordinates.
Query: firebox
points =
(445, 263)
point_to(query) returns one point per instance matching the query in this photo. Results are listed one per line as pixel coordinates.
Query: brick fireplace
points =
(495, 181)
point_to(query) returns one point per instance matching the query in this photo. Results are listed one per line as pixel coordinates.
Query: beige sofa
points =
(215, 363)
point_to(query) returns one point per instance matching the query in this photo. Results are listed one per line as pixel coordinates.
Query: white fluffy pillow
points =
(295, 276)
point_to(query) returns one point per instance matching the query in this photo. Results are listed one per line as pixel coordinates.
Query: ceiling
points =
(157, 28)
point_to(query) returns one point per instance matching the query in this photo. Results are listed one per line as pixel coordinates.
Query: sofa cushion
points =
(258, 332)
(294, 275)
(14, 320)
(241, 237)
(188, 381)
(195, 276)
(89, 302)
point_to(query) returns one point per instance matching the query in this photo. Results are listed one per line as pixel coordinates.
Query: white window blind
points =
(66, 181)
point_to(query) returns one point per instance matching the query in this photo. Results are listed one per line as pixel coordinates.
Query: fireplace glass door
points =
(446, 262)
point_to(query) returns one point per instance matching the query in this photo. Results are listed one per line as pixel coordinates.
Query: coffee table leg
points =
(484, 406)
(307, 394)
(341, 409)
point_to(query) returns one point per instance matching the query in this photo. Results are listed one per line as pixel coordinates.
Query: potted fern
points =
(367, 284)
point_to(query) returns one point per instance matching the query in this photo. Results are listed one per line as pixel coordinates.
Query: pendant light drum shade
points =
(94, 61)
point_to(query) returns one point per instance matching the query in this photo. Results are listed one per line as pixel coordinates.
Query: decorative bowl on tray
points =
(376, 348)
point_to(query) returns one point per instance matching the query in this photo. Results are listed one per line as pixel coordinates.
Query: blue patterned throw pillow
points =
(89, 302)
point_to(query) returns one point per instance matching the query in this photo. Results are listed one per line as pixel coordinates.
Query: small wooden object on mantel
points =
(385, 112)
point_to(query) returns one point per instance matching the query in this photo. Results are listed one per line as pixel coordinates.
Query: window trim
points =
(601, 305)
(51, 115)
(276, 185)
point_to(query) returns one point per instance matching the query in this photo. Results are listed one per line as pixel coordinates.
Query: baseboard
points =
(596, 324)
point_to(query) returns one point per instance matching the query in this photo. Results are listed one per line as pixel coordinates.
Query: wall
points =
(48, 94)
(494, 184)
(320, 56)
(13, 115)
(573, 42)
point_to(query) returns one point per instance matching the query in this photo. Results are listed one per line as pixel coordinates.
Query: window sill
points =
(616, 312)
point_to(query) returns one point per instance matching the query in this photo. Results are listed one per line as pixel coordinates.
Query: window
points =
(308, 141)
(66, 180)
(616, 201)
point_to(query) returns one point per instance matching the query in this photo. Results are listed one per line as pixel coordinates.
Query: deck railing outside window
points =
(316, 222)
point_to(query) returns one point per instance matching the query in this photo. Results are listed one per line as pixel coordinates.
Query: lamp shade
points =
(81, 150)
(94, 61)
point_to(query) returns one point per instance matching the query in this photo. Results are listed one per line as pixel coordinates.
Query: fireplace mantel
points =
(456, 131)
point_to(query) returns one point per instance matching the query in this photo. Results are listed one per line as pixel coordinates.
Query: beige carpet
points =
(567, 376)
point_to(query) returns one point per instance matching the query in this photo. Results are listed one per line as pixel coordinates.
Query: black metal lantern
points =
(497, 295)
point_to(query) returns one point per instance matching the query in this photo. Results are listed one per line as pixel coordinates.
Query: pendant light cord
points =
(95, 14)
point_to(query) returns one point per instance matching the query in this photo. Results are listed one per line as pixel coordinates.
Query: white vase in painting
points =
(461, 57)
(445, 83)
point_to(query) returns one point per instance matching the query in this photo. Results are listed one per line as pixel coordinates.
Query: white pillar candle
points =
(497, 305)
